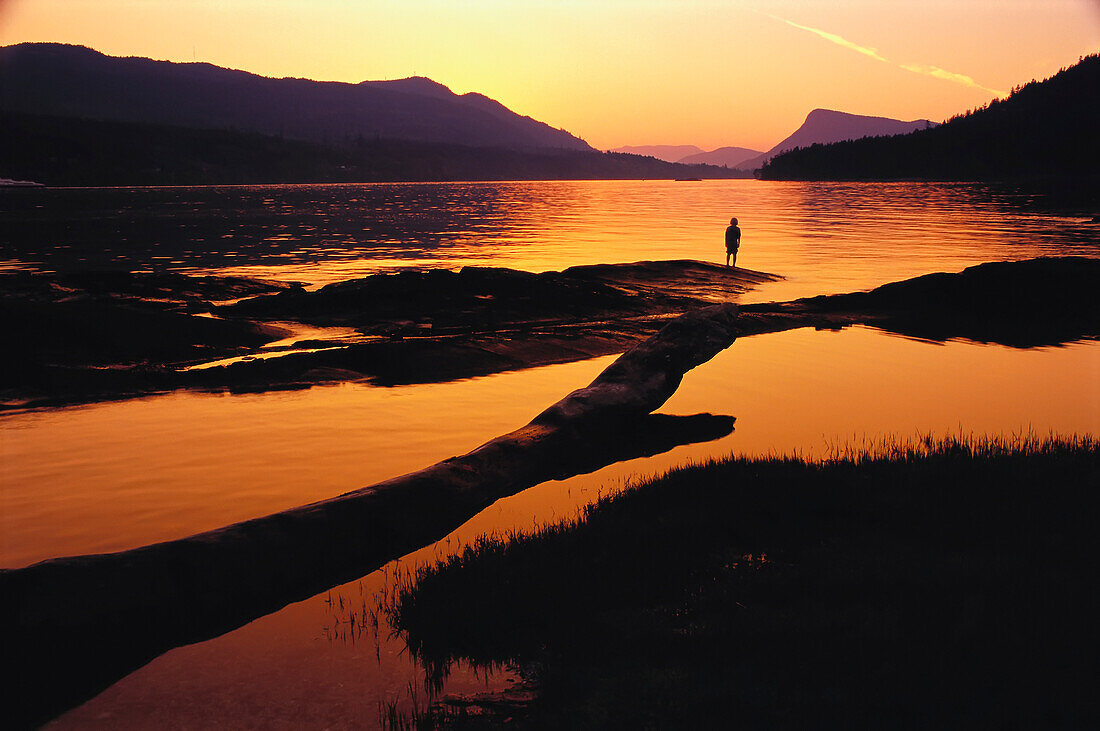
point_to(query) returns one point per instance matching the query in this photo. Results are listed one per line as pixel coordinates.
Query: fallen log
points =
(71, 626)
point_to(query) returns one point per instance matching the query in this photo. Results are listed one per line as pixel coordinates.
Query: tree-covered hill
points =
(1043, 130)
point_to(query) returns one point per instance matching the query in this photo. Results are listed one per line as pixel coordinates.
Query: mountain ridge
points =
(821, 126)
(730, 157)
(71, 80)
(824, 126)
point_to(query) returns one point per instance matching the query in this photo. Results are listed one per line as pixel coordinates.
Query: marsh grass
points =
(902, 583)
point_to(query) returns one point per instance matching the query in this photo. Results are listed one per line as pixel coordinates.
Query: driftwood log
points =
(72, 626)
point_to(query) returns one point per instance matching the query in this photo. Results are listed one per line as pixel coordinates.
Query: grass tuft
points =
(914, 582)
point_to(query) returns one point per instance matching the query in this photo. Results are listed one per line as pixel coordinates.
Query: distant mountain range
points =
(74, 81)
(70, 115)
(821, 127)
(730, 157)
(1045, 130)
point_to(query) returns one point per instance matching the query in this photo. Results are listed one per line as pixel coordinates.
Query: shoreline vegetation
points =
(923, 583)
(87, 337)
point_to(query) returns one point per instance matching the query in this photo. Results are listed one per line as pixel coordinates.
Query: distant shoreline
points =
(80, 152)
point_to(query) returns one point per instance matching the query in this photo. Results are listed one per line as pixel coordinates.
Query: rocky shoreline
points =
(91, 337)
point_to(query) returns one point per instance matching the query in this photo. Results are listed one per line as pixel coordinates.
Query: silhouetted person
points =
(733, 242)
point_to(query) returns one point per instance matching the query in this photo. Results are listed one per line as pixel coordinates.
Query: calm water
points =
(824, 237)
(113, 476)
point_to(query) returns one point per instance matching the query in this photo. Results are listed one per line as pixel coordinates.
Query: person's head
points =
(733, 221)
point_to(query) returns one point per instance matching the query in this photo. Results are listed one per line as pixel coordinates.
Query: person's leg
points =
(727, 258)
(732, 256)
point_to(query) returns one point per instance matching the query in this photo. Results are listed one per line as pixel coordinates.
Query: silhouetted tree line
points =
(74, 151)
(1043, 130)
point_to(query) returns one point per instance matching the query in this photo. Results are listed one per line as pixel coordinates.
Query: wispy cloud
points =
(926, 70)
(834, 38)
(939, 73)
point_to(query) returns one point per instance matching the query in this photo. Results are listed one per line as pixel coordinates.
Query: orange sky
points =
(615, 72)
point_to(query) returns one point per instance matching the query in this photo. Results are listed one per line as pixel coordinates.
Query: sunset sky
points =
(615, 72)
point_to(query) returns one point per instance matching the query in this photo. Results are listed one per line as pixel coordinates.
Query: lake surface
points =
(106, 477)
(825, 237)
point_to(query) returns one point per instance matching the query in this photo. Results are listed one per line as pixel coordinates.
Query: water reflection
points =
(140, 604)
(826, 237)
(796, 391)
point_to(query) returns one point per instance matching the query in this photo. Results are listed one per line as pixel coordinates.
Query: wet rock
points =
(478, 299)
(441, 325)
(1045, 301)
(98, 332)
(76, 334)
(437, 325)
(163, 289)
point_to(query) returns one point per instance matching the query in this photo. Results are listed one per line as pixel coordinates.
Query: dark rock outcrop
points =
(483, 299)
(108, 327)
(1023, 304)
(433, 326)
(418, 326)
